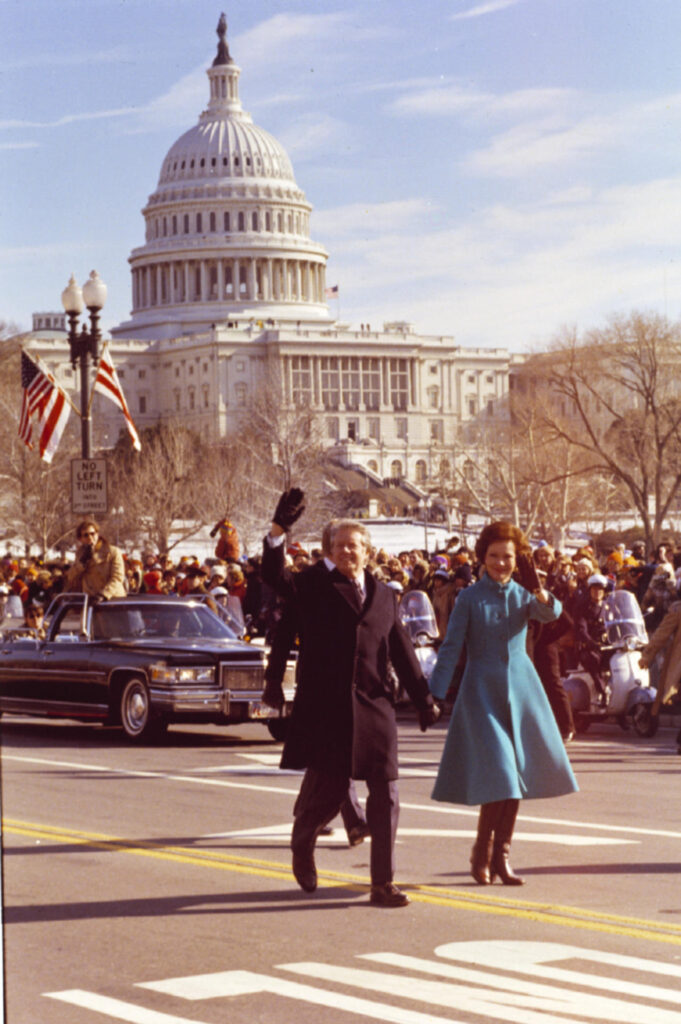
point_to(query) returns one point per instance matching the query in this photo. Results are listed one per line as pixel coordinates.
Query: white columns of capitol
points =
(270, 279)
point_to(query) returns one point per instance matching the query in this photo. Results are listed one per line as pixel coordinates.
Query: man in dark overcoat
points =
(343, 722)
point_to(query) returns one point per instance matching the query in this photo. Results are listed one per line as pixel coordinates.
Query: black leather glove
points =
(289, 508)
(86, 554)
(527, 573)
(428, 716)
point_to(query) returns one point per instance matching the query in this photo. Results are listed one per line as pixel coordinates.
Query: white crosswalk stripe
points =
(492, 982)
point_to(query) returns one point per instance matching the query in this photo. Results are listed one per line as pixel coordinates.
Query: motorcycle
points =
(418, 618)
(630, 696)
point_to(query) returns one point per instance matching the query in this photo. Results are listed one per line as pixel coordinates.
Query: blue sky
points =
(489, 169)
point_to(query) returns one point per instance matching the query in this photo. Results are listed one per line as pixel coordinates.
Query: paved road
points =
(152, 885)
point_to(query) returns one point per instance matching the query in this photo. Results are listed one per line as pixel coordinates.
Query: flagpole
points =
(92, 390)
(84, 346)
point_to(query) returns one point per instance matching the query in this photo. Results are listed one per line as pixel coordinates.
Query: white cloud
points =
(53, 59)
(279, 99)
(540, 144)
(284, 39)
(447, 98)
(18, 145)
(178, 106)
(66, 119)
(310, 134)
(511, 275)
(281, 40)
(563, 138)
(486, 8)
(45, 254)
(371, 219)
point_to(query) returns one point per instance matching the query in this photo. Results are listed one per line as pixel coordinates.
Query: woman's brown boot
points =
(503, 834)
(481, 853)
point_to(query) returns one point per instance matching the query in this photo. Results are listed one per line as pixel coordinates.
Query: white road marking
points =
(262, 758)
(505, 999)
(246, 769)
(524, 987)
(526, 837)
(431, 807)
(338, 836)
(117, 1009)
(138, 773)
(279, 833)
(530, 958)
(534, 989)
(518, 999)
(231, 983)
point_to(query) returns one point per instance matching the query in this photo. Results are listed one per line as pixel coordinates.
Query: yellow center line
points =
(487, 902)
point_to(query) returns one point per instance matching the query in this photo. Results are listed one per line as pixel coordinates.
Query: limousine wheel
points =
(135, 710)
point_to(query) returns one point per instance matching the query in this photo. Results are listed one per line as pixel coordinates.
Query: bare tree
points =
(236, 483)
(283, 439)
(611, 397)
(505, 468)
(9, 330)
(160, 485)
(35, 496)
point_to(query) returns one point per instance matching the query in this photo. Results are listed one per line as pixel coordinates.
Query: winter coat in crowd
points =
(98, 573)
(667, 638)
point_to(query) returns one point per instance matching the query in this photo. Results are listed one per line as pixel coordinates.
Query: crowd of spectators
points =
(655, 581)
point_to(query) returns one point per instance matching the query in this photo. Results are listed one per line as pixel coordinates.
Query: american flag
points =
(108, 384)
(42, 395)
(332, 292)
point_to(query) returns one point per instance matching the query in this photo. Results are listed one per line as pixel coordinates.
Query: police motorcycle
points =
(630, 696)
(418, 618)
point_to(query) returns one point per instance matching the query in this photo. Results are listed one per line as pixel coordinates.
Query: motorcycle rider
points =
(591, 634)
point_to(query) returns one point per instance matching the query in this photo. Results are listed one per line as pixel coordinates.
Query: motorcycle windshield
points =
(623, 617)
(417, 615)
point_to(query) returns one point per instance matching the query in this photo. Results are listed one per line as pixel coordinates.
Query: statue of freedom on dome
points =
(223, 56)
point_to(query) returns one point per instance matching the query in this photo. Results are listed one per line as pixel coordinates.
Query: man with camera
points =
(98, 570)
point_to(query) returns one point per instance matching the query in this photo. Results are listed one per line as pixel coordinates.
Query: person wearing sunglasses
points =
(99, 569)
(34, 618)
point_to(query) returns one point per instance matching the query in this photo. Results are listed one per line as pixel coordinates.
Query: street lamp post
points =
(118, 513)
(424, 505)
(84, 346)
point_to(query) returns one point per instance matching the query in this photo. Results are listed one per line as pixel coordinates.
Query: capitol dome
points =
(225, 147)
(227, 228)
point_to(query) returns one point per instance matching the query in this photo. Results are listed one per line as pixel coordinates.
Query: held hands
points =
(428, 716)
(290, 507)
(273, 695)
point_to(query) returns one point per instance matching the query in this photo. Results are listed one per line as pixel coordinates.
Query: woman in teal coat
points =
(503, 744)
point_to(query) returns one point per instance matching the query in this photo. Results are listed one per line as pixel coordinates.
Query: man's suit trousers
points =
(319, 800)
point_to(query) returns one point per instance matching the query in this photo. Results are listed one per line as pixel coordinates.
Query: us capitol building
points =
(229, 285)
